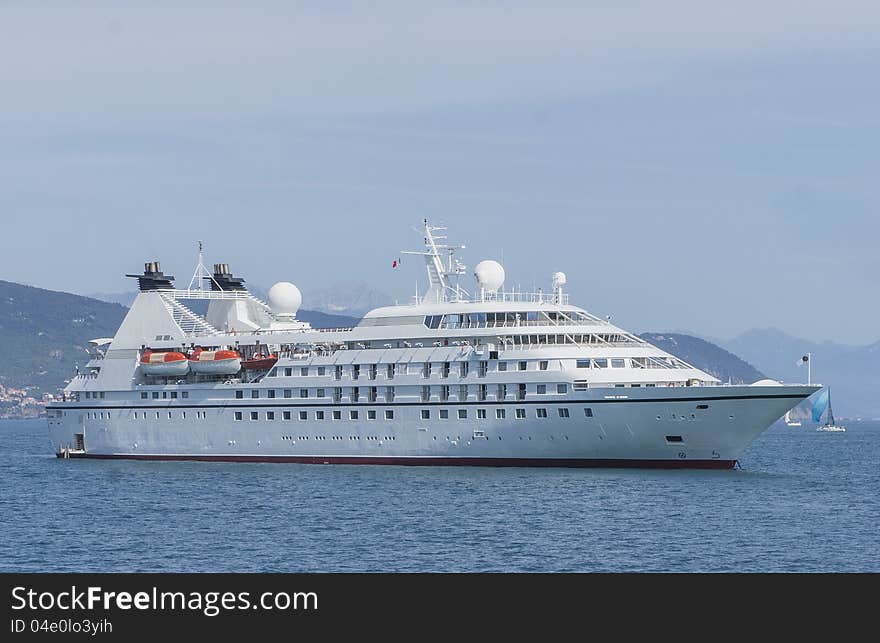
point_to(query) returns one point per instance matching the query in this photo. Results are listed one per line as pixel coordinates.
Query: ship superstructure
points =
(495, 377)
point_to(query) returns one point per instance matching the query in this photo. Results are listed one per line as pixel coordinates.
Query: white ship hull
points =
(649, 428)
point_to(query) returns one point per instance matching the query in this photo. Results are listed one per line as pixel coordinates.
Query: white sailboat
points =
(789, 421)
(822, 403)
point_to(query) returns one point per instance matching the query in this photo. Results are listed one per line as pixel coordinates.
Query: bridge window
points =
(238, 416)
(500, 414)
(444, 414)
(271, 393)
(426, 414)
(462, 414)
(481, 414)
(563, 413)
(562, 388)
(389, 414)
(270, 415)
(255, 416)
(618, 363)
(520, 414)
(541, 413)
(588, 412)
(255, 394)
(542, 389)
(285, 415)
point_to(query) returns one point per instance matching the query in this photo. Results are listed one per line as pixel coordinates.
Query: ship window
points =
(389, 414)
(321, 393)
(304, 371)
(288, 372)
(164, 395)
(588, 412)
(337, 415)
(255, 415)
(352, 415)
(255, 394)
(322, 370)
(618, 363)
(304, 392)
(303, 415)
(238, 416)
(285, 415)
(520, 414)
(600, 363)
(239, 395)
(157, 415)
(270, 415)
(481, 414)
(319, 415)
(371, 415)
(674, 438)
(462, 414)
(444, 414)
(563, 413)
(102, 395)
(173, 395)
(500, 414)
(144, 396)
(271, 393)
(288, 393)
(185, 394)
(542, 389)
(502, 366)
(542, 365)
(562, 388)
(523, 365)
(541, 413)
(426, 414)
(620, 386)
(702, 407)
(169, 415)
(583, 363)
(155, 395)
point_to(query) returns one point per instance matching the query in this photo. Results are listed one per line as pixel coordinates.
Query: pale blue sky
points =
(690, 165)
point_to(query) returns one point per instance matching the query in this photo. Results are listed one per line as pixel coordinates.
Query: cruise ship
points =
(462, 375)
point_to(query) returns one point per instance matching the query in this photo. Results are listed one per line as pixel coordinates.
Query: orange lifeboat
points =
(167, 363)
(222, 362)
(259, 362)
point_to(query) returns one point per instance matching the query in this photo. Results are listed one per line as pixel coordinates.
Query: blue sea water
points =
(803, 501)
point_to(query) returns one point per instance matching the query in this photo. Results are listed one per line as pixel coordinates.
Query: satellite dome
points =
(490, 275)
(559, 279)
(284, 298)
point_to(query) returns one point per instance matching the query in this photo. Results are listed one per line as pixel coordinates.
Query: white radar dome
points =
(490, 275)
(284, 298)
(559, 279)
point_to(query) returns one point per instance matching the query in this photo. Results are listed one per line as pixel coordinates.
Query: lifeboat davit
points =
(259, 362)
(225, 362)
(166, 364)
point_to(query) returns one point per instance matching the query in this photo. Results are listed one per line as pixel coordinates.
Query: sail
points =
(820, 405)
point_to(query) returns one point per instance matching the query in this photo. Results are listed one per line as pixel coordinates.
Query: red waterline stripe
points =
(429, 461)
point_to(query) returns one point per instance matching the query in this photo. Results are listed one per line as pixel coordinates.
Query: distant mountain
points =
(123, 298)
(706, 356)
(322, 320)
(344, 302)
(45, 334)
(852, 371)
(354, 299)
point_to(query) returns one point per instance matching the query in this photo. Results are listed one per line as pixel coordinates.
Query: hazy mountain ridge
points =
(46, 333)
(706, 356)
(851, 371)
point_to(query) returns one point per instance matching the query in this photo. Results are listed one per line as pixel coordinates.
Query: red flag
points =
(394, 265)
